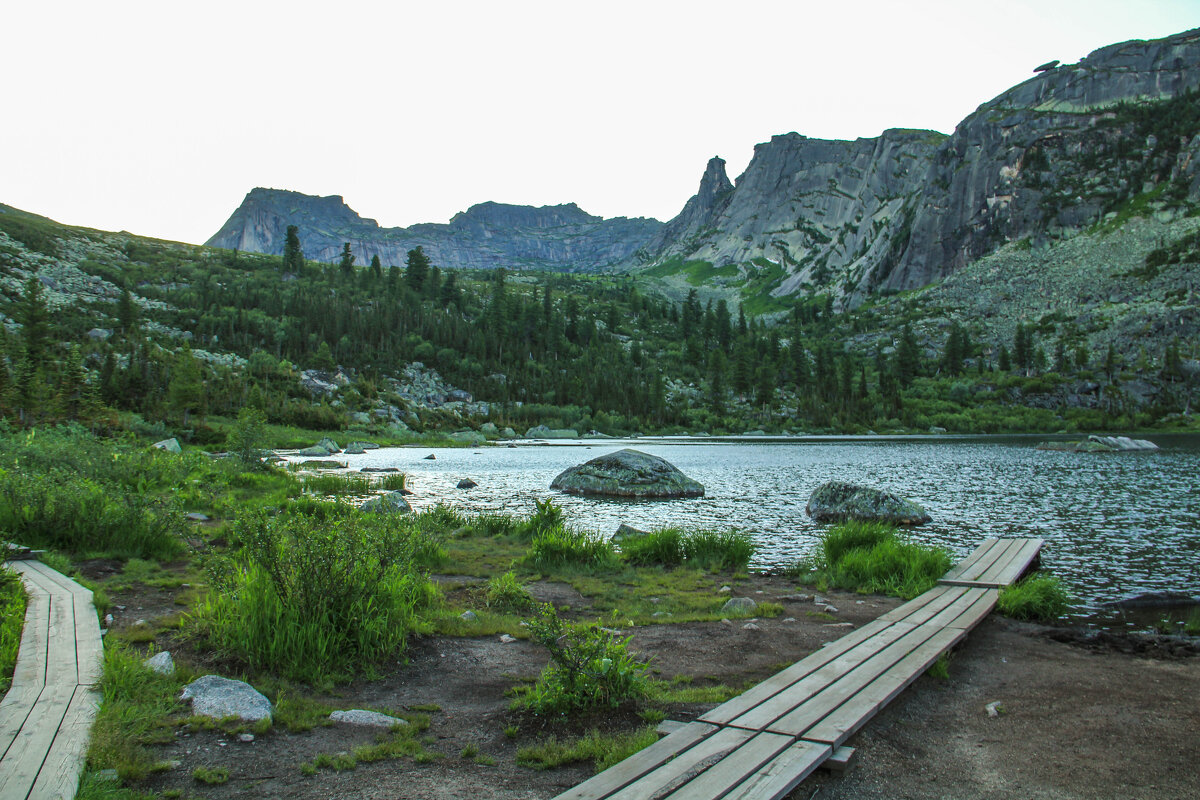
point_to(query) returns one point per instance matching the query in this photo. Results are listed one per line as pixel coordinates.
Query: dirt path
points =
(1076, 723)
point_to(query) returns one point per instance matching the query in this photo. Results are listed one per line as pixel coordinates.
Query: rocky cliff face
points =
(1048, 158)
(488, 235)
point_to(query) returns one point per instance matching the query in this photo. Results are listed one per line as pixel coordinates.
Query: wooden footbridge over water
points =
(763, 743)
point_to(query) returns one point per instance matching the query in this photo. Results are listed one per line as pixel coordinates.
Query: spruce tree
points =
(416, 268)
(347, 263)
(376, 267)
(293, 256)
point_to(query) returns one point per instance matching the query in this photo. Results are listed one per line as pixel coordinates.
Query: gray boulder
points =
(170, 445)
(161, 662)
(836, 501)
(353, 450)
(1123, 443)
(467, 483)
(542, 432)
(214, 696)
(372, 719)
(739, 606)
(627, 473)
(627, 532)
(390, 503)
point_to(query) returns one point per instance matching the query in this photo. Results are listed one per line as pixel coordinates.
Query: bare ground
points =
(1076, 722)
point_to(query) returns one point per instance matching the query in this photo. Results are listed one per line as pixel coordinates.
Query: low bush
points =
(672, 547)
(12, 619)
(872, 557)
(1037, 597)
(505, 594)
(315, 596)
(590, 668)
(546, 518)
(560, 548)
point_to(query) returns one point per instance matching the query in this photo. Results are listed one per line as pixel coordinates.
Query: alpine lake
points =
(1116, 525)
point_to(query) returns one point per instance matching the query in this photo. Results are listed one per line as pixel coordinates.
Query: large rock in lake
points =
(627, 473)
(836, 501)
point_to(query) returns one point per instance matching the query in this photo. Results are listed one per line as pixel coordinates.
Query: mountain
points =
(560, 238)
(1069, 148)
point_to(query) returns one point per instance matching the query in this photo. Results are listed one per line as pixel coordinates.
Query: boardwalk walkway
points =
(47, 714)
(764, 742)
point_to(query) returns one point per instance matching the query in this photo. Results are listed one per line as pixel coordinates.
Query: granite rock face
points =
(627, 473)
(1046, 159)
(561, 238)
(837, 501)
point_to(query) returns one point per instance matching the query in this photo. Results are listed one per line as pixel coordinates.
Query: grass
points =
(682, 689)
(1189, 626)
(213, 776)
(671, 547)
(602, 749)
(12, 620)
(1037, 597)
(399, 742)
(560, 548)
(872, 557)
(315, 594)
(506, 595)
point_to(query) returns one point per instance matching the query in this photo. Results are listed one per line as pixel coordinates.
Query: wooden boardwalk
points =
(47, 714)
(764, 742)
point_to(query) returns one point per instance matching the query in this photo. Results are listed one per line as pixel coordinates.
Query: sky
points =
(158, 117)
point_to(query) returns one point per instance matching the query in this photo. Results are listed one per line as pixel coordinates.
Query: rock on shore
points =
(836, 501)
(627, 473)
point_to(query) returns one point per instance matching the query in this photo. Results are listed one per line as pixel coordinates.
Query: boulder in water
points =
(390, 503)
(467, 483)
(836, 501)
(627, 473)
(628, 532)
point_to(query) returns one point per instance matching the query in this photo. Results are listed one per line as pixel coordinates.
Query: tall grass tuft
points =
(663, 546)
(316, 596)
(506, 595)
(873, 557)
(671, 547)
(1037, 597)
(561, 548)
(12, 619)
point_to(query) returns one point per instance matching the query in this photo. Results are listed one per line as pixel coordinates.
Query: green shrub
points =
(1037, 597)
(872, 557)
(495, 525)
(546, 517)
(590, 668)
(663, 547)
(560, 548)
(718, 550)
(12, 619)
(506, 595)
(312, 596)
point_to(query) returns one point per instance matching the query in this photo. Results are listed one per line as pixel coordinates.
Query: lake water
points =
(1115, 524)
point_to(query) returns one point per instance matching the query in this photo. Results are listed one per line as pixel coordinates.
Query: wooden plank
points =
(30, 669)
(735, 707)
(669, 726)
(733, 769)
(59, 776)
(13, 713)
(679, 770)
(823, 702)
(640, 763)
(778, 778)
(978, 604)
(960, 569)
(25, 757)
(89, 646)
(844, 721)
(841, 759)
(786, 702)
(54, 576)
(61, 665)
(900, 613)
(991, 574)
(1020, 562)
(947, 598)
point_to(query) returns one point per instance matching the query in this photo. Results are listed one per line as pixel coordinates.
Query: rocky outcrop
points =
(1100, 444)
(627, 473)
(562, 238)
(1047, 158)
(542, 432)
(837, 501)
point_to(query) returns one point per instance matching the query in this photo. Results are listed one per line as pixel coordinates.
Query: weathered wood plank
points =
(1020, 562)
(53, 576)
(735, 707)
(765, 715)
(961, 568)
(25, 757)
(640, 763)
(978, 605)
(59, 775)
(838, 726)
(841, 759)
(991, 574)
(61, 664)
(13, 713)
(30, 669)
(683, 767)
(778, 778)
(734, 768)
(900, 613)
(669, 726)
(89, 646)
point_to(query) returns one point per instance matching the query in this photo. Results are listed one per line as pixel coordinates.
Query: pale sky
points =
(158, 117)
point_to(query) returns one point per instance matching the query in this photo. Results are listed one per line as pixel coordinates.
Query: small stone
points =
(661, 614)
(994, 709)
(196, 516)
(141, 623)
(796, 598)
(789, 619)
(724, 590)
(373, 719)
(245, 738)
(108, 620)
(431, 457)
(655, 600)
(506, 639)
(840, 625)
(726, 622)
(467, 483)
(469, 616)
(750, 626)
(174, 763)
(828, 609)
(162, 663)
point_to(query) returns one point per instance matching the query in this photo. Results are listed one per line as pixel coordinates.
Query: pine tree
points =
(1005, 361)
(724, 325)
(908, 357)
(376, 267)
(416, 268)
(185, 392)
(347, 263)
(293, 256)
